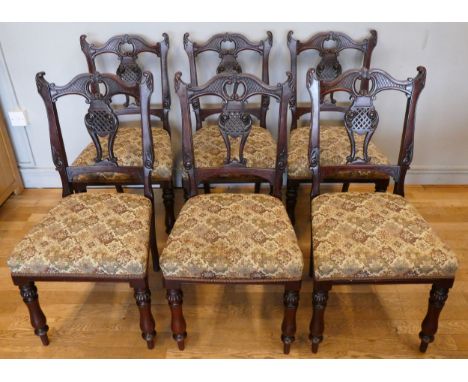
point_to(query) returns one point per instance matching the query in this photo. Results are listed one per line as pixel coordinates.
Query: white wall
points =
(441, 154)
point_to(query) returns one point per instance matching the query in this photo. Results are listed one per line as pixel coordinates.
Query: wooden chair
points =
(127, 48)
(233, 238)
(95, 237)
(208, 145)
(329, 45)
(371, 238)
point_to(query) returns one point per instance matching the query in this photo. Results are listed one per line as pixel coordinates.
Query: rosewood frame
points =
(139, 45)
(329, 58)
(216, 87)
(381, 81)
(85, 85)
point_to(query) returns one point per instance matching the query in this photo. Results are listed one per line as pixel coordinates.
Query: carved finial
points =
(290, 33)
(40, 80)
(177, 81)
(270, 37)
(84, 44)
(186, 39)
(147, 78)
(310, 76)
(166, 39)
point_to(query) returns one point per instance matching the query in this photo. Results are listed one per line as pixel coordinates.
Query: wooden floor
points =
(90, 320)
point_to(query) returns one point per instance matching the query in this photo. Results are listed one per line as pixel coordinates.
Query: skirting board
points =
(49, 178)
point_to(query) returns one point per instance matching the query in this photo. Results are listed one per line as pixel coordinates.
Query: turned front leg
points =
(437, 298)
(288, 327)
(30, 297)
(178, 325)
(317, 325)
(147, 324)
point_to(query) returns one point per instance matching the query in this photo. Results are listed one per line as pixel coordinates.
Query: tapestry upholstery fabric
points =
(334, 148)
(127, 149)
(232, 237)
(359, 235)
(210, 149)
(91, 234)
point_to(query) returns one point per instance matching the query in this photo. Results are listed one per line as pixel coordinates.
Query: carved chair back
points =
(328, 45)
(228, 46)
(361, 120)
(101, 122)
(127, 48)
(234, 122)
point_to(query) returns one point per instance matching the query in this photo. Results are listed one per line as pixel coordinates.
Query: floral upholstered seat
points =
(375, 236)
(127, 149)
(232, 236)
(335, 147)
(210, 150)
(88, 234)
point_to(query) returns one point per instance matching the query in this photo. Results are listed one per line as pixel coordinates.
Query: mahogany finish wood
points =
(228, 46)
(234, 89)
(362, 118)
(127, 48)
(328, 69)
(100, 121)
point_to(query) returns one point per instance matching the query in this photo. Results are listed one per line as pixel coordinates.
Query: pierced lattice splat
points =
(101, 121)
(234, 125)
(228, 53)
(361, 119)
(128, 70)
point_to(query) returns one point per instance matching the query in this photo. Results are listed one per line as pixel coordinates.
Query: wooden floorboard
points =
(96, 320)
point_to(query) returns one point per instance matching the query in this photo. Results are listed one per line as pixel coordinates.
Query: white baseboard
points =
(49, 178)
(40, 177)
(437, 175)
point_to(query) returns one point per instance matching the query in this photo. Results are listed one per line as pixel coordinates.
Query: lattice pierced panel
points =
(235, 125)
(130, 72)
(329, 67)
(361, 119)
(101, 121)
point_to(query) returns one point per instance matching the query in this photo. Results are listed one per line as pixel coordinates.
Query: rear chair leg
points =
(38, 320)
(382, 185)
(345, 187)
(119, 188)
(168, 199)
(437, 298)
(206, 188)
(291, 199)
(319, 303)
(178, 325)
(291, 302)
(147, 324)
(258, 185)
(154, 243)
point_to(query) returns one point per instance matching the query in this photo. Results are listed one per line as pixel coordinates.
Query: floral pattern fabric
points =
(334, 148)
(210, 149)
(127, 149)
(375, 235)
(232, 237)
(88, 234)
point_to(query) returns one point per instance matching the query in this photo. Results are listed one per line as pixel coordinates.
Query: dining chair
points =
(328, 45)
(233, 238)
(127, 49)
(96, 236)
(208, 144)
(367, 237)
